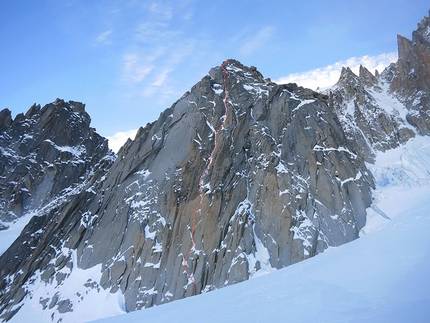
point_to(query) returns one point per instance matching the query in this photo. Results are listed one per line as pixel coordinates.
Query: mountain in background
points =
(44, 152)
(241, 176)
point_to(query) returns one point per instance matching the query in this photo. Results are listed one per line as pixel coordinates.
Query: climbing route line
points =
(208, 166)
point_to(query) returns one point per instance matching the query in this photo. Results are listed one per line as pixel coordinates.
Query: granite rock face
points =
(413, 67)
(409, 77)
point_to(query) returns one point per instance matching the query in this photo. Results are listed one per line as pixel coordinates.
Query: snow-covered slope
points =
(382, 277)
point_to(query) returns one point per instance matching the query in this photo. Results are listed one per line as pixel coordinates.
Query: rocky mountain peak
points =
(423, 30)
(240, 175)
(238, 70)
(369, 124)
(353, 83)
(366, 77)
(360, 101)
(43, 152)
(349, 82)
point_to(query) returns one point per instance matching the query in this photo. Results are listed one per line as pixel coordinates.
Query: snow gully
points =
(205, 170)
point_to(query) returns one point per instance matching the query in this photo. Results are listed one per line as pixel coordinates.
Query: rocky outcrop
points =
(218, 187)
(44, 152)
(409, 77)
(5, 119)
(372, 118)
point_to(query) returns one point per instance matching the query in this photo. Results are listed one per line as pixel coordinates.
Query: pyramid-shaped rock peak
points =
(366, 77)
(216, 190)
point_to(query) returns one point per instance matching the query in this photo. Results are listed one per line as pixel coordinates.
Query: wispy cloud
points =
(161, 78)
(155, 32)
(103, 38)
(159, 81)
(159, 47)
(329, 75)
(181, 51)
(134, 69)
(118, 139)
(161, 10)
(148, 75)
(188, 16)
(257, 41)
(136, 66)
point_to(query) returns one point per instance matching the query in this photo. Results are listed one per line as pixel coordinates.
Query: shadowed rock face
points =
(283, 185)
(42, 153)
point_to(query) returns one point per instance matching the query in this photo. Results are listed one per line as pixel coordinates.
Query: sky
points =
(128, 60)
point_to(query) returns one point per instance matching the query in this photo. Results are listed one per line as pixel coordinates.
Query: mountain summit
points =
(241, 176)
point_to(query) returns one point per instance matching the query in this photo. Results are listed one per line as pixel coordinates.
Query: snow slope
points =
(382, 277)
(7, 237)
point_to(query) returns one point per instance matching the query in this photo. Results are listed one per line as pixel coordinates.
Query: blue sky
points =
(130, 59)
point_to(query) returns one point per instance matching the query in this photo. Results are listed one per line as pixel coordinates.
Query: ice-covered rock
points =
(373, 119)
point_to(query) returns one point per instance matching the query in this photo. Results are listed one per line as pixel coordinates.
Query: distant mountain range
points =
(238, 177)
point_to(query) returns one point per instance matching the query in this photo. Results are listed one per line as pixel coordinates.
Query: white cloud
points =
(161, 10)
(160, 80)
(134, 69)
(161, 68)
(188, 16)
(103, 38)
(257, 41)
(155, 32)
(181, 50)
(329, 75)
(136, 66)
(118, 139)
